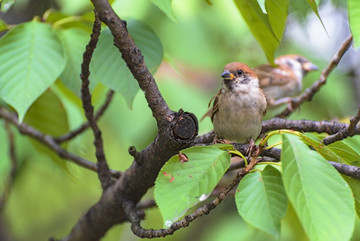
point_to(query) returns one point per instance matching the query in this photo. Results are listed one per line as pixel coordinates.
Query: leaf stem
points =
(273, 145)
(277, 132)
(65, 21)
(236, 152)
(270, 163)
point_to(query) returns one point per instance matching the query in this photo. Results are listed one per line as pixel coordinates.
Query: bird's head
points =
(237, 74)
(297, 63)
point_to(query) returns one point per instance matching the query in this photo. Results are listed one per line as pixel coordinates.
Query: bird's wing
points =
(210, 111)
(215, 107)
(264, 113)
(269, 76)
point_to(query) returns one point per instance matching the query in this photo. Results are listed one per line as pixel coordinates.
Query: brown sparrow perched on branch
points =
(239, 106)
(284, 81)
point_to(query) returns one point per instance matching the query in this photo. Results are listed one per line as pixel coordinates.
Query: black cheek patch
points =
(228, 83)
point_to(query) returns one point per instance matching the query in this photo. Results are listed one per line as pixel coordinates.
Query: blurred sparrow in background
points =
(284, 81)
(239, 106)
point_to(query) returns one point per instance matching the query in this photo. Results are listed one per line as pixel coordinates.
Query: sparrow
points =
(239, 106)
(285, 80)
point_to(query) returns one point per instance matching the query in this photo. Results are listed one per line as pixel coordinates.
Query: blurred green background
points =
(45, 202)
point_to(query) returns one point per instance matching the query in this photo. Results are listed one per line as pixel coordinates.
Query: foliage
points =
(314, 188)
(193, 173)
(40, 64)
(34, 43)
(354, 15)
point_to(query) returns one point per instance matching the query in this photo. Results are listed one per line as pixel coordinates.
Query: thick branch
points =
(342, 134)
(134, 60)
(103, 169)
(83, 127)
(50, 142)
(310, 92)
(176, 132)
(135, 182)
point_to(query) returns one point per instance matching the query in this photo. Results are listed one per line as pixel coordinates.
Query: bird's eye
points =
(300, 60)
(240, 72)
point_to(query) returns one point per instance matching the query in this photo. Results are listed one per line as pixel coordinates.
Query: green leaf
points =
(353, 142)
(259, 25)
(48, 115)
(355, 188)
(261, 200)
(165, 6)
(3, 26)
(321, 198)
(182, 184)
(313, 6)
(224, 147)
(64, 21)
(31, 58)
(74, 42)
(277, 11)
(354, 19)
(108, 67)
(5, 5)
(337, 152)
(345, 151)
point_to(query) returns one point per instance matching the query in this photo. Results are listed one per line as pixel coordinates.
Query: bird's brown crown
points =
(236, 66)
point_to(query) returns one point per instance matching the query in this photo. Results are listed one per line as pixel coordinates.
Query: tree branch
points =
(342, 134)
(351, 171)
(275, 153)
(13, 166)
(130, 211)
(176, 131)
(310, 92)
(83, 127)
(134, 60)
(146, 204)
(103, 169)
(307, 126)
(51, 143)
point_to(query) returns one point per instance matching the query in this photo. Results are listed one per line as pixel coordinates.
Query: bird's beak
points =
(308, 67)
(227, 75)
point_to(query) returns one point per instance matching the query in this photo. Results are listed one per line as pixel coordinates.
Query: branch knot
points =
(185, 127)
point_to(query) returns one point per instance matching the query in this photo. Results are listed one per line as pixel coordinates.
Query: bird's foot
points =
(220, 140)
(252, 149)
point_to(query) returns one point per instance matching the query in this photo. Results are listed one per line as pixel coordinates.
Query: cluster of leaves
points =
(33, 55)
(326, 203)
(266, 19)
(50, 48)
(40, 65)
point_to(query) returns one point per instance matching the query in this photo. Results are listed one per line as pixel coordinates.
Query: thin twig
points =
(103, 169)
(49, 142)
(342, 134)
(310, 92)
(241, 163)
(146, 204)
(13, 167)
(129, 208)
(84, 126)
